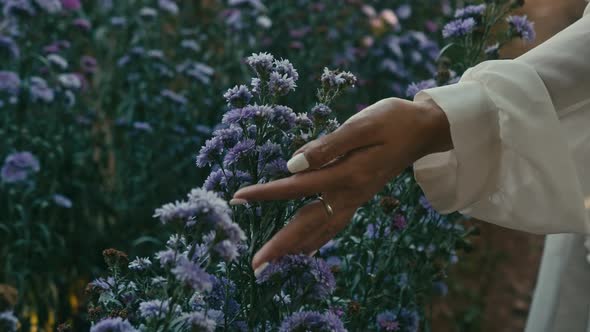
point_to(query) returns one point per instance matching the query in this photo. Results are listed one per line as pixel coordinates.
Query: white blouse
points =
(521, 159)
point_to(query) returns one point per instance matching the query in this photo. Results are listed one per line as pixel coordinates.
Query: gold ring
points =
(327, 206)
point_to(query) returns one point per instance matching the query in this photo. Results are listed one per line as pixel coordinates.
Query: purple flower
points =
(320, 112)
(416, 87)
(118, 21)
(88, 64)
(243, 149)
(173, 96)
(458, 27)
(410, 320)
(192, 275)
(312, 321)
(221, 181)
(196, 70)
(387, 321)
(300, 276)
(238, 96)
(142, 126)
(473, 10)
(399, 222)
(261, 63)
(113, 325)
(230, 136)
(280, 85)
(71, 4)
(169, 256)
(191, 44)
(50, 6)
(70, 81)
(140, 264)
(10, 45)
(9, 82)
(242, 115)
(210, 152)
(61, 200)
(198, 321)
(155, 308)
(18, 166)
(17, 7)
(285, 67)
(82, 24)
(8, 321)
(337, 80)
(169, 6)
(39, 90)
(522, 26)
(404, 11)
(103, 284)
(227, 250)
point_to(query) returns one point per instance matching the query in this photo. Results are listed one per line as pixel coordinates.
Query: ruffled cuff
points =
(460, 177)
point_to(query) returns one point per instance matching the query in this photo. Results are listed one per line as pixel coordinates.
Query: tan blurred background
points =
(496, 282)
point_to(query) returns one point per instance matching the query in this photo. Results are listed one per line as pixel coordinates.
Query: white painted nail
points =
(237, 201)
(259, 269)
(298, 163)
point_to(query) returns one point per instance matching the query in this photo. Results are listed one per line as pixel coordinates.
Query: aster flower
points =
(168, 6)
(50, 6)
(387, 321)
(156, 308)
(177, 211)
(192, 275)
(285, 67)
(242, 150)
(238, 96)
(176, 242)
(8, 321)
(337, 80)
(190, 44)
(173, 96)
(473, 10)
(142, 126)
(8, 44)
(82, 24)
(103, 284)
(280, 85)
(18, 166)
(459, 27)
(140, 264)
(261, 63)
(220, 181)
(416, 87)
(198, 321)
(71, 4)
(70, 81)
(227, 250)
(410, 319)
(522, 27)
(148, 13)
(61, 200)
(492, 50)
(39, 90)
(18, 7)
(9, 82)
(222, 296)
(210, 152)
(169, 256)
(320, 112)
(88, 64)
(239, 115)
(283, 117)
(300, 276)
(312, 321)
(230, 136)
(113, 325)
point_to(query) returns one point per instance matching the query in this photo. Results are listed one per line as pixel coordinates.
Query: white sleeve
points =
(513, 161)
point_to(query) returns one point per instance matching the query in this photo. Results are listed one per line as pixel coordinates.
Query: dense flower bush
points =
(102, 102)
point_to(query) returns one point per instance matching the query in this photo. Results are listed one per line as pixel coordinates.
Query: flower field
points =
(110, 109)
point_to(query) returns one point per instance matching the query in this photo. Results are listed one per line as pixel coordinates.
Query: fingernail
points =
(237, 201)
(298, 163)
(259, 269)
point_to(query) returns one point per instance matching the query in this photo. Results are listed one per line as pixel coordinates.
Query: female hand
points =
(348, 167)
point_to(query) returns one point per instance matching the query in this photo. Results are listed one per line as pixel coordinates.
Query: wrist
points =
(435, 129)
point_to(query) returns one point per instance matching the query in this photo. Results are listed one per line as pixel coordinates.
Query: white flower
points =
(58, 61)
(70, 81)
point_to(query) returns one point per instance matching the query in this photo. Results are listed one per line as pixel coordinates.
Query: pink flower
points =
(71, 4)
